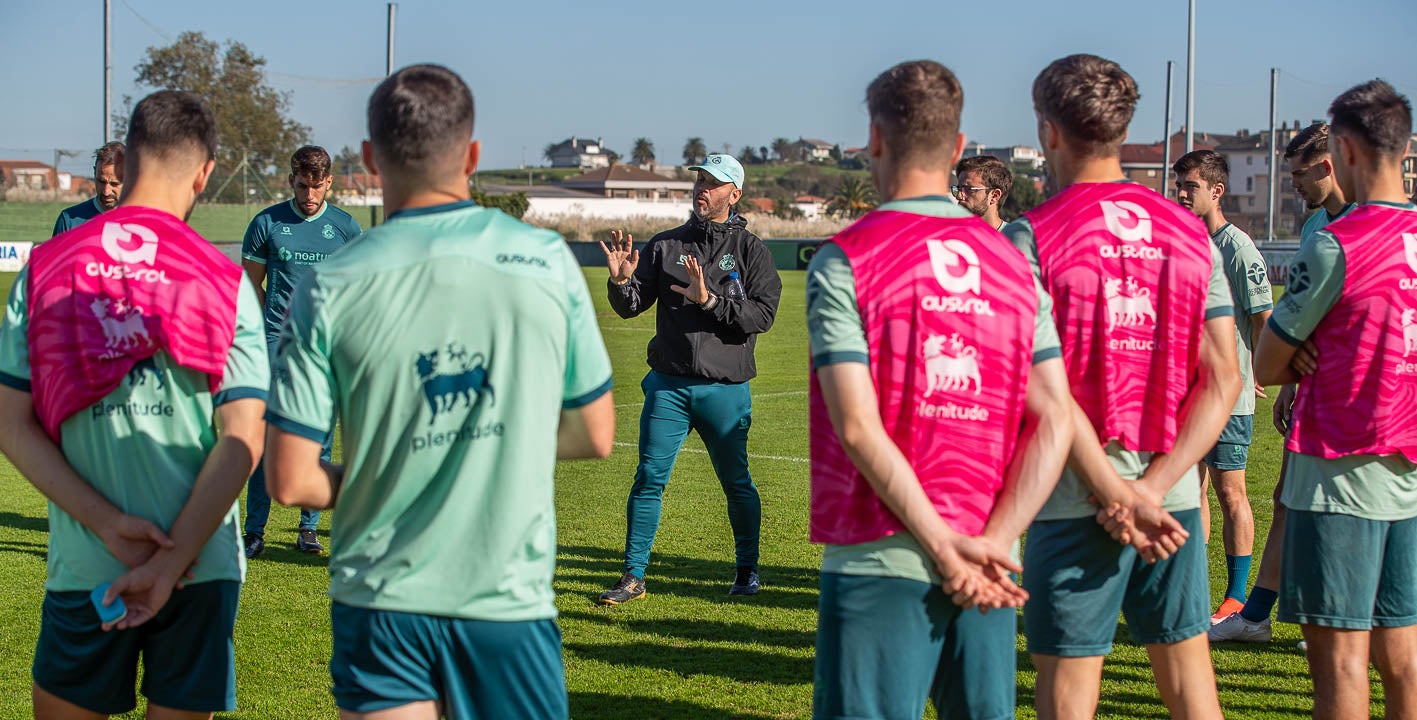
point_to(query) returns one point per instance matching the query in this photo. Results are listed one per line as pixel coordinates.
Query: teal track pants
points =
(722, 414)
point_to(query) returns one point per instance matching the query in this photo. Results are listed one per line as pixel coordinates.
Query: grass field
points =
(33, 222)
(687, 650)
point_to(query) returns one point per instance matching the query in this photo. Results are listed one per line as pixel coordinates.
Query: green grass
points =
(33, 222)
(688, 650)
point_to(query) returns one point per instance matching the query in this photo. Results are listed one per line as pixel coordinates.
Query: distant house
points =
(579, 152)
(1012, 154)
(30, 174)
(854, 153)
(763, 205)
(812, 150)
(630, 182)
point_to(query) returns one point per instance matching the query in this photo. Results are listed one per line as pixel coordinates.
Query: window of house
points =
(1250, 184)
(1252, 202)
(1249, 159)
(1149, 173)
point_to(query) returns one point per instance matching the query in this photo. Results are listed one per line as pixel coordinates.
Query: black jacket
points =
(715, 344)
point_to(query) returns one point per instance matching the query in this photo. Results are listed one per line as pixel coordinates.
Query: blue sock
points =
(1260, 604)
(1237, 571)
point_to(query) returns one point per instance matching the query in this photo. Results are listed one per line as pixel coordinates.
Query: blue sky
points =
(731, 72)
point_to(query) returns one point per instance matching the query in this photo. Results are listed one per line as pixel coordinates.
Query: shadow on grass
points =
(699, 630)
(739, 665)
(35, 549)
(693, 577)
(24, 522)
(588, 704)
(283, 550)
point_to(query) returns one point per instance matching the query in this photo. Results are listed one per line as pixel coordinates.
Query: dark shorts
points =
(1347, 572)
(1079, 579)
(885, 645)
(474, 668)
(188, 657)
(1232, 449)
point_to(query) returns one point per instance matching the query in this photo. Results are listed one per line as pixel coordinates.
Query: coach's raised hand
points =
(621, 257)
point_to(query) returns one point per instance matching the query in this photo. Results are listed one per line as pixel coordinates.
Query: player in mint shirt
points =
(108, 185)
(144, 458)
(1311, 174)
(1343, 331)
(282, 243)
(461, 351)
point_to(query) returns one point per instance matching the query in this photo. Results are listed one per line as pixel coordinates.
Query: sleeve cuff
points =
(1257, 309)
(285, 424)
(253, 258)
(588, 398)
(238, 393)
(1047, 354)
(14, 383)
(833, 358)
(1219, 311)
(1283, 335)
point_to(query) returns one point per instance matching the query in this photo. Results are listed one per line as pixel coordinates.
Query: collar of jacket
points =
(711, 230)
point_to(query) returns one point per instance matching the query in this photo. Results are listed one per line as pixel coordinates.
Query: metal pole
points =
(107, 68)
(1166, 136)
(1273, 139)
(389, 64)
(1191, 79)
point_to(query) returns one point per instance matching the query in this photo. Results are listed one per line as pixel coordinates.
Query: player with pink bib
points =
(939, 423)
(1147, 330)
(1346, 329)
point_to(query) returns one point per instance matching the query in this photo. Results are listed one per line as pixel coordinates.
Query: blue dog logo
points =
(466, 377)
(138, 375)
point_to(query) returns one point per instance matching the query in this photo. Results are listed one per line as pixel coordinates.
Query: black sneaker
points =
(309, 542)
(253, 545)
(628, 588)
(746, 583)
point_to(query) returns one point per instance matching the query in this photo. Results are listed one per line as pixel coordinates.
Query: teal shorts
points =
(1232, 449)
(1078, 579)
(885, 645)
(473, 668)
(1347, 572)
(187, 652)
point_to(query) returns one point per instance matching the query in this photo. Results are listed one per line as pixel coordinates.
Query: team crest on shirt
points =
(1129, 307)
(727, 262)
(285, 230)
(1258, 276)
(328, 232)
(1298, 279)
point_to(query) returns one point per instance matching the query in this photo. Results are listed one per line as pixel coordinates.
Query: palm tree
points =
(748, 155)
(853, 199)
(782, 148)
(550, 148)
(695, 151)
(643, 152)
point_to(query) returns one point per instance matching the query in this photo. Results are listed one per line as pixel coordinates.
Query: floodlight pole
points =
(1273, 140)
(389, 63)
(1191, 78)
(107, 68)
(1166, 133)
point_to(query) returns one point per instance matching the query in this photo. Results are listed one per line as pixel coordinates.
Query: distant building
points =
(1409, 168)
(812, 150)
(29, 174)
(629, 182)
(579, 153)
(1012, 154)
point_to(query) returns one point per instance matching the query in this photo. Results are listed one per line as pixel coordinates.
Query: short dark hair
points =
(110, 154)
(168, 123)
(1213, 167)
(1374, 113)
(917, 105)
(310, 161)
(1309, 145)
(419, 114)
(1091, 99)
(992, 170)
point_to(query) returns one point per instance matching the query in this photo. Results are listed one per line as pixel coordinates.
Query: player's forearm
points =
(295, 474)
(1032, 476)
(39, 459)
(587, 431)
(1272, 356)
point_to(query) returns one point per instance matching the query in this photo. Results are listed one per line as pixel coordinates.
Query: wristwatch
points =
(713, 300)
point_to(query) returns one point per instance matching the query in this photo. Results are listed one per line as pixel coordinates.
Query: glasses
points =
(962, 190)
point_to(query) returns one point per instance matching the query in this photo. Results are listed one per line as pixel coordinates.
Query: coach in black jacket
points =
(717, 289)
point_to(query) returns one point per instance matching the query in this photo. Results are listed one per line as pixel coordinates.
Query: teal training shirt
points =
(450, 339)
(288, 244)
(76, 215)
(143, 444)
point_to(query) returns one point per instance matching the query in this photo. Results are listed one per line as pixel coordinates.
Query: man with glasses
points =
(984, 184)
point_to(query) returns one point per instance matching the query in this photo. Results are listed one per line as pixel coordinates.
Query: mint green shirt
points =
(1069, 498)
(1376, 487)
(449, 340)
(836, 335)
(143, 444)
(1248, 277)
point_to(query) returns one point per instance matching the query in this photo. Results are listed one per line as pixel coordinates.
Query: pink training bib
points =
(949, 309)
(116, 290)
(1128, 272)
(1362, 400)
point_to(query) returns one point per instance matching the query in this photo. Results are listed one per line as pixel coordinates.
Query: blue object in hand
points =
(108, 614)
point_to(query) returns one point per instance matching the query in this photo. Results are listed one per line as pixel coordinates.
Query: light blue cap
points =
(724, 167)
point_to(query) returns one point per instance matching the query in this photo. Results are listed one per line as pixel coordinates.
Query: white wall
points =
(608, 207)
